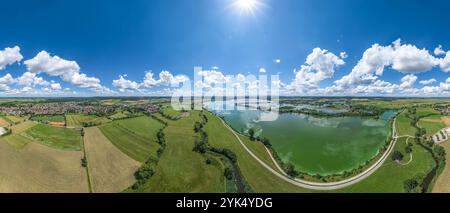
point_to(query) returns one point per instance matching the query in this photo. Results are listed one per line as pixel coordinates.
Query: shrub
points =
(228, 173)
(251, 132)
(84, 162)
(290, 170)
(144, 172)
(408, 148)
(397, 156)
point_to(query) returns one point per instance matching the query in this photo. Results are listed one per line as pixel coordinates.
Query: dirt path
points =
(410, 155)
(109, 168)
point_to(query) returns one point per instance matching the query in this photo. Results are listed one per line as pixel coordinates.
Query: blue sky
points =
(108, 39)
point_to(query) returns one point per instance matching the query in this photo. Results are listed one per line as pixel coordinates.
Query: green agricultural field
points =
(403, 125)
(56, 137)
(17, 141)
(50, 118)
(119, 115)
(432, 125)
(14, 119)
(136, 137)
(77, 120)
(426, 112)
(171, 112)
(180, 169)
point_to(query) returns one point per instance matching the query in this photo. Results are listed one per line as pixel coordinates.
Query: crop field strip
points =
(39, 168)
(76, 120)
(432, 127)
(49, 118)
(16, 140)
(136, 137)
(13, 119)
(110, 169)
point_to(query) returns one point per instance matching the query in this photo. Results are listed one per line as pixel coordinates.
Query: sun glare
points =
(247, 6)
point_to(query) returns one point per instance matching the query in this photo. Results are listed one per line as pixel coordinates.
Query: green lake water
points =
(318, 145)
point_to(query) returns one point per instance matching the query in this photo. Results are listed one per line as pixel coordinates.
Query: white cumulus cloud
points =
(29, 79)
(405, 58)
(444, 63)
(125, 85)
(429, 81)
(6, 81)
(68, 71)
(439, 51)
(165, 79)
(319, 65)
(9, 56)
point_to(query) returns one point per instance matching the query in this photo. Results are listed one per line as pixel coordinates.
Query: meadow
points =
(136, 137)
(56, 137)
(433, 124)
(167, 110)
(403, 125)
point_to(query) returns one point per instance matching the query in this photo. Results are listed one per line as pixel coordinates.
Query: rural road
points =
(322, 186)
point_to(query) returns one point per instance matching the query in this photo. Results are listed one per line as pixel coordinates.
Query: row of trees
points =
(231, 171)
(146, 171)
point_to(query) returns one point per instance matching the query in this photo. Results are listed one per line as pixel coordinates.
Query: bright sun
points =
(247, 6)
